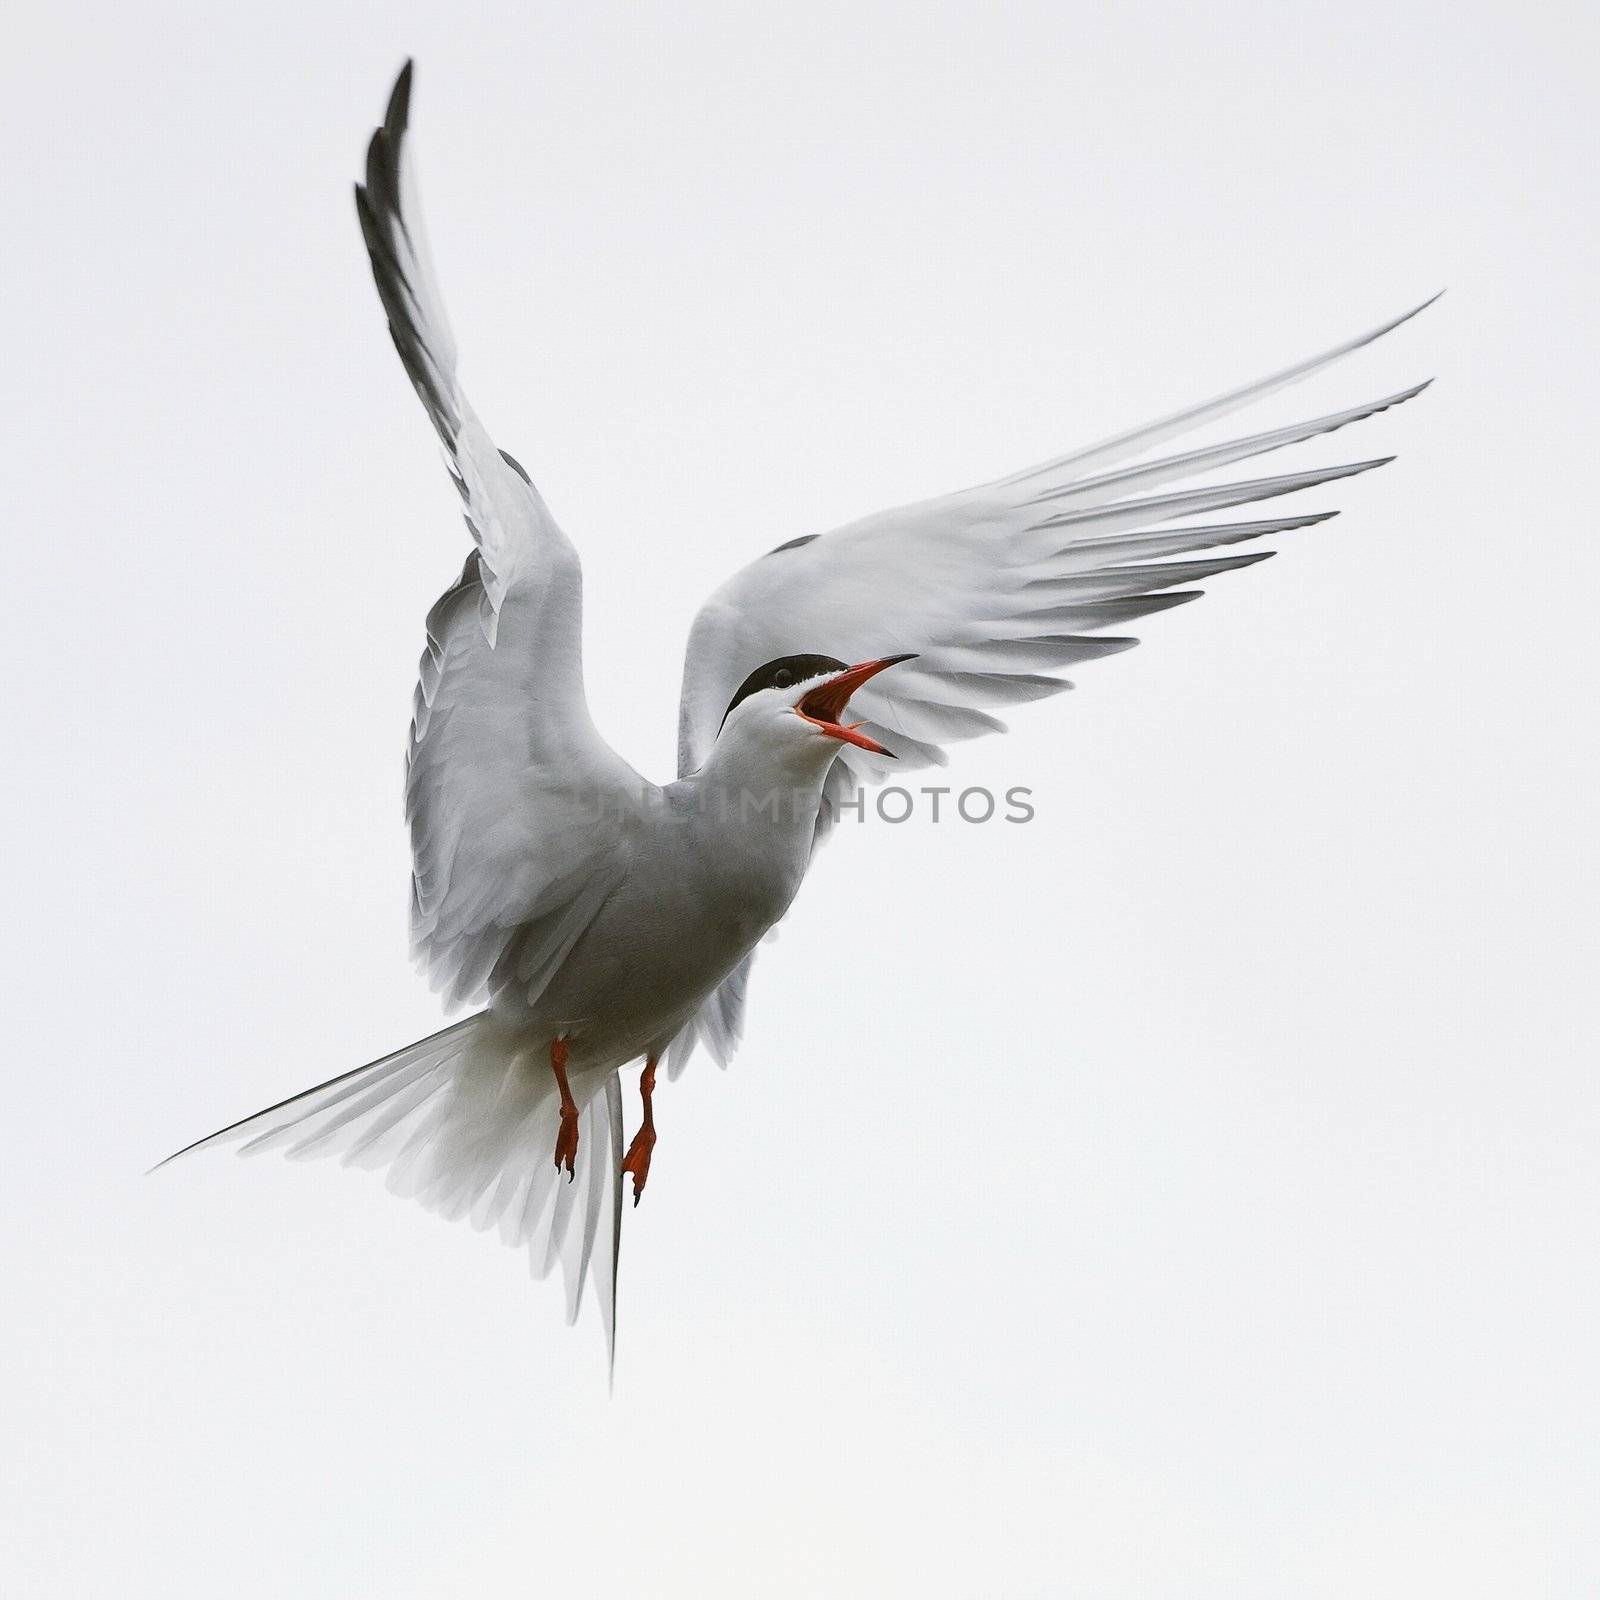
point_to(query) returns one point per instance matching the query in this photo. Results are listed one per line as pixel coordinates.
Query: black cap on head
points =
(783, 673)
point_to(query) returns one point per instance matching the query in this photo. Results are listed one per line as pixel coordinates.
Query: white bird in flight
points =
(601, 920)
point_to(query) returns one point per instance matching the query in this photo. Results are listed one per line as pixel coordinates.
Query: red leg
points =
(567, 1138)
(637, 1160)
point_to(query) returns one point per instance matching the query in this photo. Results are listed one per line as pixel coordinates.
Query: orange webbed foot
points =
(567, 1143)
(637, 1160)
(567, 1137)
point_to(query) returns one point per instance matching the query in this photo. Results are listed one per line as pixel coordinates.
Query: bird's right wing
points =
(995, 589)
(517, 806)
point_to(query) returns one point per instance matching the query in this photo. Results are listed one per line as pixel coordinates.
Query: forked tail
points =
(465, 1121)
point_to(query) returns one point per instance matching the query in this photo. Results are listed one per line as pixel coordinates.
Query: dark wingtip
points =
(1356, 468)
(166, 1161)
(400, 99)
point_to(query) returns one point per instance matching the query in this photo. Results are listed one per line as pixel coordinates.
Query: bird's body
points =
(710, 866)
(597, 919)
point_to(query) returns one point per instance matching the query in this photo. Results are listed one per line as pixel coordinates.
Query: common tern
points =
(599, 920)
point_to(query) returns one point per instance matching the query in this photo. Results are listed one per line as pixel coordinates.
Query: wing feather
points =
(998, 588)
(505, 773)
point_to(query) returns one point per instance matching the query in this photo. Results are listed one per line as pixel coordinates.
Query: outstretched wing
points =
(997, 589)
(506, 774)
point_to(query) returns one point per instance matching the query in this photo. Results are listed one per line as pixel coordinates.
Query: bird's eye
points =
(782, 678)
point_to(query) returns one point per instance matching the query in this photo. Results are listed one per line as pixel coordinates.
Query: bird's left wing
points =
(517, 806)
(996, 589)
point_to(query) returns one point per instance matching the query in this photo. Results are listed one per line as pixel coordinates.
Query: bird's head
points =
(793, 709)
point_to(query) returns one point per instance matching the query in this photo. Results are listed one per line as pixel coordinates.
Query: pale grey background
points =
(1190, 1194)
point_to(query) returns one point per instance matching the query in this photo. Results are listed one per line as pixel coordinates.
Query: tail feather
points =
(465, 1122)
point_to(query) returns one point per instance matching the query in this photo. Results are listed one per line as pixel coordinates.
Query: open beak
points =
(824, 705)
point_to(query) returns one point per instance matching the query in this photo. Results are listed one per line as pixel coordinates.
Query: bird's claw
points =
(637, 1160)
(567, 1144)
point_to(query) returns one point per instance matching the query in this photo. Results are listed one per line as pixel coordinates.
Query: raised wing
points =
(506, 775)
(997, 589)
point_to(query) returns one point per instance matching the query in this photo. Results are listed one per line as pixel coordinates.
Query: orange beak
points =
(824, 705)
